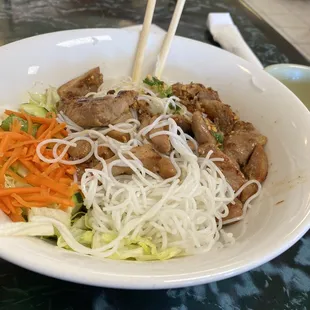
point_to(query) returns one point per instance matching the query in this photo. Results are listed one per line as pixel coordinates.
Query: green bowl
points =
(295, 77)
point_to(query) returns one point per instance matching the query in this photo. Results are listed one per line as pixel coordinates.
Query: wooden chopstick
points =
(139, 57)
(165, 48)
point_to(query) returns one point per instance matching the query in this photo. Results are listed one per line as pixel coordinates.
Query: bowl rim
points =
(287, 65)
(185, 280)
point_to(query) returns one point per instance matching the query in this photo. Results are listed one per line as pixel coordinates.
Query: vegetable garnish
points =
(159, 86)
(25, 180)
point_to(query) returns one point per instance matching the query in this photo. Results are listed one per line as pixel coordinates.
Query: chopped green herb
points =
(158, 86)
(219, 137)
(176, 109)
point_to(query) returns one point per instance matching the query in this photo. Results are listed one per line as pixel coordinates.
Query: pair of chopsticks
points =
(164, 51)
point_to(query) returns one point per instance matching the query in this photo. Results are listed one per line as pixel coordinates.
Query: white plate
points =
(270, 228)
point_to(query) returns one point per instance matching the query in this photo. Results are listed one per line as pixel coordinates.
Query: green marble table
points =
(281, 284)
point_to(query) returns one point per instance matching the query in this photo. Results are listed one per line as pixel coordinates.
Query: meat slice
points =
(228, 167)
(105, 152)
(93, 162)
(160, 143)
(191, 145)
(218, 112)
(119, 136)
(80, 168)
(240, 143)
(81, 149)
(143, 107)
(166, 168)
(82, 85)
(184, 123)
(235, 210)
(200, 129)
(186, 93)
(145, 153)
(99, 112)
(197, 97)
(123, 118)
(150, 159)
(255, 169)
(145, 120)
(148, 156)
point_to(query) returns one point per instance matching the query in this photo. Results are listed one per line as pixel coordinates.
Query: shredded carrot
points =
(7, 155)
(27, 204)
(58, 128)
(59, 188)
(38, 202)
(41, 129)
(29, 121)
(48, 153)
(59, 174)
(35, 119)
(24, 143)
(8, 203)
(30, 166)
(5, 167)
(42, 166)
(45, 184)
(74, 188)
(14, 135)
(71, 170)
(5, 209)
(47, 133)
(64, 132)
(47, 199)
(16, 125)
(19, 190)
(58, 135)
(50, 115)
(65, 181)
(4, 145)
(16, 217)
(31, 150)
(51, 168)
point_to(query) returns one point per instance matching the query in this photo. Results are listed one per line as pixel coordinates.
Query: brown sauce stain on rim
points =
(279, 202)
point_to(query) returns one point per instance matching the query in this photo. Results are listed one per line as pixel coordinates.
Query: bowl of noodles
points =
(180, 180)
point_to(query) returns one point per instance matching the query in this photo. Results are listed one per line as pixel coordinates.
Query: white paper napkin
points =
(225, 32)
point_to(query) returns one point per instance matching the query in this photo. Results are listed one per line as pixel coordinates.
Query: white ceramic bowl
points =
(278, 218)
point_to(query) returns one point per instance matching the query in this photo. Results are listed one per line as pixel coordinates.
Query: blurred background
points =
(291, 18)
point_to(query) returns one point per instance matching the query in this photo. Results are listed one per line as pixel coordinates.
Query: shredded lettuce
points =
(79, 223)
(26, 229)
(59, 215)
(85, 237)
(88, 220)
(101, 239)
(47, 100)
(9, 182)
(138, 248)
